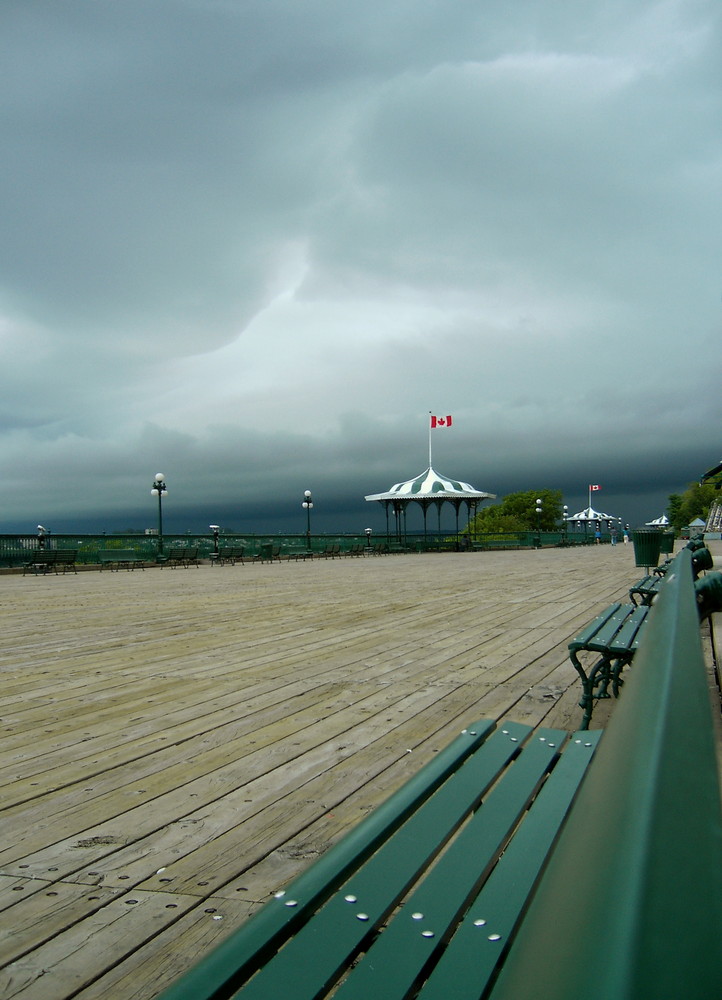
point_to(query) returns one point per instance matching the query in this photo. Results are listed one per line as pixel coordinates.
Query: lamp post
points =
(538, 523)
(159, 490)
(41, 536)
(368, 538)
(565, 523)
(215, 528)
(307, 505)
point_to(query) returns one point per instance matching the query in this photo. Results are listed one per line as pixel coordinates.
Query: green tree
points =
(517, 512)
(674, 507)
(694, 502)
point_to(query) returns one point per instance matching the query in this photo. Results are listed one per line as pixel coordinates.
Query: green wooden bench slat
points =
(627, 638)
(246, 949)
(594, 627)
(320, 949)
(647, 589)
(396, 959)
(472, 956)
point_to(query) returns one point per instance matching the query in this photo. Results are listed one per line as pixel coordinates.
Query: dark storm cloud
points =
(253, 244)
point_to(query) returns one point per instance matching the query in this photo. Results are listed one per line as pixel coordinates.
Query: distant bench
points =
(510, 867)
(228, 554)
(181, 556)
(644, 591)
(115, 558)
(267, 552)
(44, 560)
(496, 543)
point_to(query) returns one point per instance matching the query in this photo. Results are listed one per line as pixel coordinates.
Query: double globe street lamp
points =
(159, 490)
(307, 505)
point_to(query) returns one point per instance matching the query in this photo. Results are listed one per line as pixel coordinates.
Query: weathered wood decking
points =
(176, 745)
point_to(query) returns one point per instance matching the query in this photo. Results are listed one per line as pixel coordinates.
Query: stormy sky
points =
(252, 244)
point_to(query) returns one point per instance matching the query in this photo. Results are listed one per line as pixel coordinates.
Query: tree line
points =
(696, 501)
(517, 511)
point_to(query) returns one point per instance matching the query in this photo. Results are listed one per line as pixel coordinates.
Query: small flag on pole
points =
(440, 421)
(593, 488)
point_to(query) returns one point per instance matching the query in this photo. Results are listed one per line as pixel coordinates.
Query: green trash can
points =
(647, 546)
(667, 546)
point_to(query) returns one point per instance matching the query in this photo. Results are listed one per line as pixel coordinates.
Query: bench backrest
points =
(632, 898)
(55, 556)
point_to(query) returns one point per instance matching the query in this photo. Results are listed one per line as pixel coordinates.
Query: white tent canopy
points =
(590, 514)
(659, 522)
(432, 486)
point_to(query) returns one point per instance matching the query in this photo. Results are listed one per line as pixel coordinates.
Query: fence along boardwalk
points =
(177, 746)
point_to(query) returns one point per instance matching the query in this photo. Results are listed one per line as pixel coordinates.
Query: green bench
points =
(519, 864)
(612, 638)
(228, 554)
(42, 561)
(296, 554)
(180, 556)
(512, 542)
(267, 553)
(647, 588)
(701, 557)
(494, 798)
(115, 558)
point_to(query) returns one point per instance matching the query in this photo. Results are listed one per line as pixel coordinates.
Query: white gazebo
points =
(658, 522)
(430, 489)
(591, 516)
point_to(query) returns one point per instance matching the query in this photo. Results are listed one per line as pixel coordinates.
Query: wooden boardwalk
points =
(178, 744)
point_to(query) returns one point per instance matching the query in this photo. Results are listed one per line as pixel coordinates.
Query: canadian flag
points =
(593, 488)
(441, 421)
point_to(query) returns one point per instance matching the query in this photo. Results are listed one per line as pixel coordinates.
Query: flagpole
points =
(589, 505)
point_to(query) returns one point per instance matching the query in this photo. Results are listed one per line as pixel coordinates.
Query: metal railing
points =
(15, 550)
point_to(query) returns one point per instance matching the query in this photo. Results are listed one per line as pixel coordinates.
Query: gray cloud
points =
(253, 244)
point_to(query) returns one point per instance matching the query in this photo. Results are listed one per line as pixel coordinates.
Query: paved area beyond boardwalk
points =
(178, 744)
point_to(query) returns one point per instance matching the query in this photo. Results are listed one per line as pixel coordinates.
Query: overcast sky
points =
(251, 244)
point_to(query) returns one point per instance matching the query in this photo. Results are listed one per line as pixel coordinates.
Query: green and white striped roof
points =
(432, 486)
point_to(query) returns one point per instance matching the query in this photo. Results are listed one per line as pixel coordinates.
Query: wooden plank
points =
(52, 972)
(251, 678)
(41, 910)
